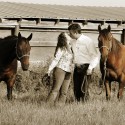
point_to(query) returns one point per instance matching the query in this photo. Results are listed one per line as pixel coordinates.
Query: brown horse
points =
(13, 48)
(112, 61)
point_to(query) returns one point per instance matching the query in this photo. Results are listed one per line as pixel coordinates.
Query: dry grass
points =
(29, 107)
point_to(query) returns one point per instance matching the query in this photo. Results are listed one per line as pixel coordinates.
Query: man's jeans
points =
(78, 77)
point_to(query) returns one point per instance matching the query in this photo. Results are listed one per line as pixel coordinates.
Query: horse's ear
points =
(19, 35)
(99, 28)
(109, 28)
(30, 37)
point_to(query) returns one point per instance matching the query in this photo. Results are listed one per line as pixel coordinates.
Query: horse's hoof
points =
(120, 98)
(108, 98)
(9, 98)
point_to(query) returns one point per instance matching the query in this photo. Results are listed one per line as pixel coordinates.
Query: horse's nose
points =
(104, 57)
(25, 67)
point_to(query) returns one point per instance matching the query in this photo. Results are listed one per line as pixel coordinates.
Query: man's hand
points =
(89, 71)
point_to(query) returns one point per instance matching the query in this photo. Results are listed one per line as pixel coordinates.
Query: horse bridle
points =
(105, 47)
(109, 49)
(20, 57)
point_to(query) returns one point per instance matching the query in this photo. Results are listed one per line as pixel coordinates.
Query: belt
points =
(81, 65)
(78, 65)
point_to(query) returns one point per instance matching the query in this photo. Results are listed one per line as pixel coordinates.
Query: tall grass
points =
(29, 105)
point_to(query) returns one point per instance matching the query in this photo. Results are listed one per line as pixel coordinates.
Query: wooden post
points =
(85, 22)
(0, 20)
(19, 21)
(70, 22)
(102, 23)
(119, 23)
(57, 21)
(123, 36)
(15, 31)
(38, 21)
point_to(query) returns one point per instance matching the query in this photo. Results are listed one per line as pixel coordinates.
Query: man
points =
(85, 59)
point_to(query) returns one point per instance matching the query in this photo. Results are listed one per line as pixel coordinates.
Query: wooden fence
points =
(45, 36)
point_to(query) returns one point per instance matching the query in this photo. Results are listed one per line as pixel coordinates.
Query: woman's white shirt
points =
(63, 59)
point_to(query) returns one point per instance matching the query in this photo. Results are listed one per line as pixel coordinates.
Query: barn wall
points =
(4, 32)
(43, 44)
(44, 41)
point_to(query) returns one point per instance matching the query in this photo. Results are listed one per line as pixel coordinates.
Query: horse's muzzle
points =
(25, 67)
(104, 57)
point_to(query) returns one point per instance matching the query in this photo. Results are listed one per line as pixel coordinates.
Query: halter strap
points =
(20, 57)
(109, 49)
(105, 47)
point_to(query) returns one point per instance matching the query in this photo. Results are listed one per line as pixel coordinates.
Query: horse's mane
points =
(116, 45)
(104, 32)
(11, 40)
(7, 46)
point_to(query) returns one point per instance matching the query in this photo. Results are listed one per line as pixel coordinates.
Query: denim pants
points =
(61, 81)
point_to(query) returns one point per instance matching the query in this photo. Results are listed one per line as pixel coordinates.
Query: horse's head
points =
(104, 42)
(23, 50)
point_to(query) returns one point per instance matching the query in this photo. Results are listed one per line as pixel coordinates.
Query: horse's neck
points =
(116, 45)
(8, 52)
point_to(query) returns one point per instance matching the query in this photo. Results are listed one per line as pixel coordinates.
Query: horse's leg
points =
(120, 92)
(10, 82)
(108, 89)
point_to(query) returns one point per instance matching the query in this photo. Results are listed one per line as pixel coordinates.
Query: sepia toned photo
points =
(62, 62)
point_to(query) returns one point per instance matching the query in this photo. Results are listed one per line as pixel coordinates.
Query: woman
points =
(62, 68)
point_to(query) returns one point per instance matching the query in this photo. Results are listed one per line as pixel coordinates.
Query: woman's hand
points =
(48, 73)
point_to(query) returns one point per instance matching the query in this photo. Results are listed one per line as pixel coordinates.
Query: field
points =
(29, 105)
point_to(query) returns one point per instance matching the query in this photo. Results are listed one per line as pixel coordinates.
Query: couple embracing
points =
(78, 56)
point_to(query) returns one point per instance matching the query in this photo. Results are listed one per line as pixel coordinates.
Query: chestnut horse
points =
(112, 61)
(13, 48)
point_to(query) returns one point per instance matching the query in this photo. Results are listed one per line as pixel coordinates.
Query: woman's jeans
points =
(61, 81)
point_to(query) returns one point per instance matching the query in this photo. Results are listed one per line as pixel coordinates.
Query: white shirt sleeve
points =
(73, 48)
(93, 54)
(55, 61)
